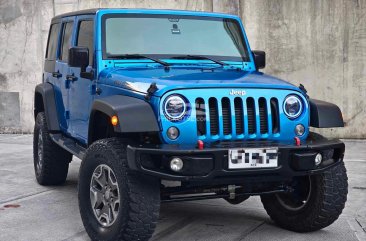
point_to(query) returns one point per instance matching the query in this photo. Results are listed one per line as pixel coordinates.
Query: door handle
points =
(71, 77)
(56, 74)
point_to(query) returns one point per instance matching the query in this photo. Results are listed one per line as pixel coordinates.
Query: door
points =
(81, 92)
(51, 73)
(62, 68)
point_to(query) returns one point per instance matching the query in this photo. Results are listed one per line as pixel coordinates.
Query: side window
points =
(52, 42)
(66, 40)
(85, 37)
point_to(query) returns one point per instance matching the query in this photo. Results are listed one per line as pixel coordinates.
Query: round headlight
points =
(175, 107)
(292, 106)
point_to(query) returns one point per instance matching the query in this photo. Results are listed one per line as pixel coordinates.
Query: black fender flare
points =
(324, 114)
(134, 115)
(44, 92)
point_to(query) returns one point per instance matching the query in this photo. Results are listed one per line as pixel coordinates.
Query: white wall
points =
(321, 44)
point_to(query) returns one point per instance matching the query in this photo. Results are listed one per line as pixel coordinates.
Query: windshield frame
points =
(245, 58)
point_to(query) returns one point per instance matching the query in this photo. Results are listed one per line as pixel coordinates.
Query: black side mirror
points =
(259, 59)
(79, 57)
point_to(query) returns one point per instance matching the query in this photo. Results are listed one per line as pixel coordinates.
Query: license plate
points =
(253, 158)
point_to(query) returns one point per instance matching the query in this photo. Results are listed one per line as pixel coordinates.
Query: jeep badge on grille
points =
(237, 92)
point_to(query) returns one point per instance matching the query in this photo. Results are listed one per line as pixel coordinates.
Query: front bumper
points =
(211, 163)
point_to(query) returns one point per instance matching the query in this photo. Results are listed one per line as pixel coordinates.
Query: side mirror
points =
(79, 57)
(259, 59)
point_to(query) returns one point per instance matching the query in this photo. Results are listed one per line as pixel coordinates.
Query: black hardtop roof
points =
(128, 10)
(75, 13)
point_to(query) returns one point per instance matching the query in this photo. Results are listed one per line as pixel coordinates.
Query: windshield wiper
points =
(189, 56)
(138, 56)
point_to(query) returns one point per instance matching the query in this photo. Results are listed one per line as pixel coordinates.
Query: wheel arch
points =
(324, 114)
(134, 116)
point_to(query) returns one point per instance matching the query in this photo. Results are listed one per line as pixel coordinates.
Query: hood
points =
(139, 79)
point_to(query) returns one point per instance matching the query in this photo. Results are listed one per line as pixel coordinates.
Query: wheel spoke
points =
(112, 181)
(115, 207)
(96, 197)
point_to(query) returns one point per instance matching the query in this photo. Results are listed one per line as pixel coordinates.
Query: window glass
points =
(175, 35)
(52, 42)
(66, 41)
(86, 37)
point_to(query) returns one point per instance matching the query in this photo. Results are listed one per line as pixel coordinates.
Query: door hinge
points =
(95, 90)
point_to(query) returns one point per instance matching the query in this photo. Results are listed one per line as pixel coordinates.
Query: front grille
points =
(239, 116)
(226, 115)
(251, 116)
(214, 116)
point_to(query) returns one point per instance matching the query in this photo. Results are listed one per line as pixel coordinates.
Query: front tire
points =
(316, 202)
(121, 205)
(51, 162)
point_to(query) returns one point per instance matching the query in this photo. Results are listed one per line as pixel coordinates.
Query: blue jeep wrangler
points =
(165, 106)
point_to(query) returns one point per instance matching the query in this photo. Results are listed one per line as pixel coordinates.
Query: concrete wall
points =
(319, 43)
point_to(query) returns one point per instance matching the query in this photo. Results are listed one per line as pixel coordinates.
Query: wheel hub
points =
(104, 195)
(107, 194)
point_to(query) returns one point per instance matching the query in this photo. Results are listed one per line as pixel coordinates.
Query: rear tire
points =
(324, 202)
(51, 162)
(138, 196)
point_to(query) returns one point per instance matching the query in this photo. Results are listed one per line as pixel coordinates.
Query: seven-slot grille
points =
(239, 116)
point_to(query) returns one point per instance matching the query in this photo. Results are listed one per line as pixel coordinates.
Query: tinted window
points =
(86, 37)
(66, 41)
(52, 42)
(174, 35)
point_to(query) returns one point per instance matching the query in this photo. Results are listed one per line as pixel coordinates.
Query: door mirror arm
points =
(87, 75)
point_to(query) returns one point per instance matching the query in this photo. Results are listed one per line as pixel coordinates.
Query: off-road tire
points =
(55, 160)
(326, 202)
(139, 195)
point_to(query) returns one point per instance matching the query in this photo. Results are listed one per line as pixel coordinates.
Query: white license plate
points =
(253, 158)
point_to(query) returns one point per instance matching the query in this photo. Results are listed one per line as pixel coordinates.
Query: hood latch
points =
(151, 90)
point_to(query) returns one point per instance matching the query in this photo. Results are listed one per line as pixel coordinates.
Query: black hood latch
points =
(151, 90)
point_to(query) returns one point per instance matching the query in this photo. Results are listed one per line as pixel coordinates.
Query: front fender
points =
(324, 114)
(134, 115)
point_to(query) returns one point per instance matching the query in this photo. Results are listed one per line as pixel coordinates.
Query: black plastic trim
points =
(289, 160)
(49, 105)
(134, 115)
(324, 114)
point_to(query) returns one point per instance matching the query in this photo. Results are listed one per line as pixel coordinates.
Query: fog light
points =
(172, 133)
(176, 164)
(299, 130)
(318, 159)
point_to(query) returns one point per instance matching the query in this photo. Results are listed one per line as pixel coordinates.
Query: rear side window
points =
(66, 40)
(85, 37)
(52, 42)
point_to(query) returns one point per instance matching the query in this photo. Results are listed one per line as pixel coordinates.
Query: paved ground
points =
(32, 212)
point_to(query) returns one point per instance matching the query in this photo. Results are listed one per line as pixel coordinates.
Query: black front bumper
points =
(211, 163)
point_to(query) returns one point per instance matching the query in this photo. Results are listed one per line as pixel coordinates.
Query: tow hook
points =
(231, 190)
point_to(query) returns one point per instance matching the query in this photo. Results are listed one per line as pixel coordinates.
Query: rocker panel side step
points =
(69, 144)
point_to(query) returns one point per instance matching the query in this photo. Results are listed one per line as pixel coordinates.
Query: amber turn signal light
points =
(114, 120)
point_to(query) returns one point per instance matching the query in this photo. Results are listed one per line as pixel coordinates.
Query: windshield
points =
(167, 36)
